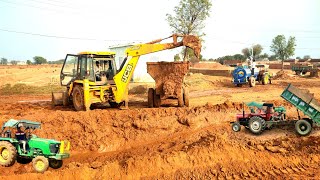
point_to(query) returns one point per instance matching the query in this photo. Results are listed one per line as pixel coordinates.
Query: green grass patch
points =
(9, 89)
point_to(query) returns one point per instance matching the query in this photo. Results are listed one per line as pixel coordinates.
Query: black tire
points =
(65, 98)
(22, 160)
(156, 100)
(252, 81)
(186, 96)
(114, 104)
(180, 99)
(257, 125)
(78, 98)
(40, 164)
(150, 97)
(55, 164)
(236, 127)
(303, 127)
(8, 154)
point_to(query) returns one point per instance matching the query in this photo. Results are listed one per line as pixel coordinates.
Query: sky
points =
(54, 28)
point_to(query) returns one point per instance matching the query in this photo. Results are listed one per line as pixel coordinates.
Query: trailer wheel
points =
(256, 125)
(236, 127)
(150, 97)
(156, 99)
(186, 96)
(252, 81)
(303, 127)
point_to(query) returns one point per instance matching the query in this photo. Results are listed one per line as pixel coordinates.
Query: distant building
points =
(17, 63)
(140, 74)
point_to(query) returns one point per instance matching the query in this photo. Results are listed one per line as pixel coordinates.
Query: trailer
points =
(266, 116)
(169, 78)
(305, 102)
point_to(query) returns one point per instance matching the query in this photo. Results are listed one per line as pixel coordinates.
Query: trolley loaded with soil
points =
(169, 78)
(265, 116)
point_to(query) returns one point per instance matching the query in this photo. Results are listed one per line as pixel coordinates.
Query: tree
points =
(283, 49)
(264, 56)
(307, 57)
(29, 62)
(13, 62)
(298, 57)
(4, 61)
(176, 57)
(39, 60)
(189, 17)
(255, 49)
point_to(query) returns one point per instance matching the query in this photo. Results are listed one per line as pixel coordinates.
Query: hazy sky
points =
(98, 24)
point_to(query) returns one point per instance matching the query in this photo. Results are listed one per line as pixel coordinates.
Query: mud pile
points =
(282, 75)
(165, 143)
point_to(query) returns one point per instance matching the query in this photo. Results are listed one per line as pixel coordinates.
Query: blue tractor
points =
(243, 75)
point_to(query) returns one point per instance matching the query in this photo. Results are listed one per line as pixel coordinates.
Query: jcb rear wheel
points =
(8, 154)
(78, 98)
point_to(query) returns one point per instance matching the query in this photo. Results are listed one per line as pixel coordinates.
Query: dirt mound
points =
(283, 75)
(211, 65)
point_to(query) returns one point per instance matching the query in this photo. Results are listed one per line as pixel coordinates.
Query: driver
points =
(97, 71)
(21, 137)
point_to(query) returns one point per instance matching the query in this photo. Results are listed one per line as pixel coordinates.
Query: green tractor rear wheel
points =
(8, 154)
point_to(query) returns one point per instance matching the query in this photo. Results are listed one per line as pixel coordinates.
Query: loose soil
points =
(171, 142)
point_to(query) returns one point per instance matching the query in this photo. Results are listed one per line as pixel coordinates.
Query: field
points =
(162, 143)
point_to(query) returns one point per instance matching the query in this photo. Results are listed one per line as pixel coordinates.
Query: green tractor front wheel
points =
(8, 154)
(40, 164)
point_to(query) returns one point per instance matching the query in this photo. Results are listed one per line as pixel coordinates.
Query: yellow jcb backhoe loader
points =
(91, 77)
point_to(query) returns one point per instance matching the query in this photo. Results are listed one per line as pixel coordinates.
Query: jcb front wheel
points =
(8, 154)
(78, 98)
(40, 164)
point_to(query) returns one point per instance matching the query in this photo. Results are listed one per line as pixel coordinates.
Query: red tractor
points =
(261, 116)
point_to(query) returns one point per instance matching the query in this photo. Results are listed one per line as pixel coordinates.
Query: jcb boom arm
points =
(124, 76)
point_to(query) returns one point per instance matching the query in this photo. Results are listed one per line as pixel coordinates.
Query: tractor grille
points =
(54, 148)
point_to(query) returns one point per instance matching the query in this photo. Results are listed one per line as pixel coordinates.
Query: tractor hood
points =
(42, 140)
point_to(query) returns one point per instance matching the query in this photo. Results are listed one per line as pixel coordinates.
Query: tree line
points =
(36, 60)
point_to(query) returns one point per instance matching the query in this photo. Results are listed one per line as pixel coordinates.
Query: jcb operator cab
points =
(97, 67)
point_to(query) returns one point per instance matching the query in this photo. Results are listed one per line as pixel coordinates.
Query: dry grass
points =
(19, 88)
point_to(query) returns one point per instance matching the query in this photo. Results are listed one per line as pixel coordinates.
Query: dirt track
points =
(170, 142)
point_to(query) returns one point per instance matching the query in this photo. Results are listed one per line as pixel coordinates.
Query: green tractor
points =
(42, 152)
